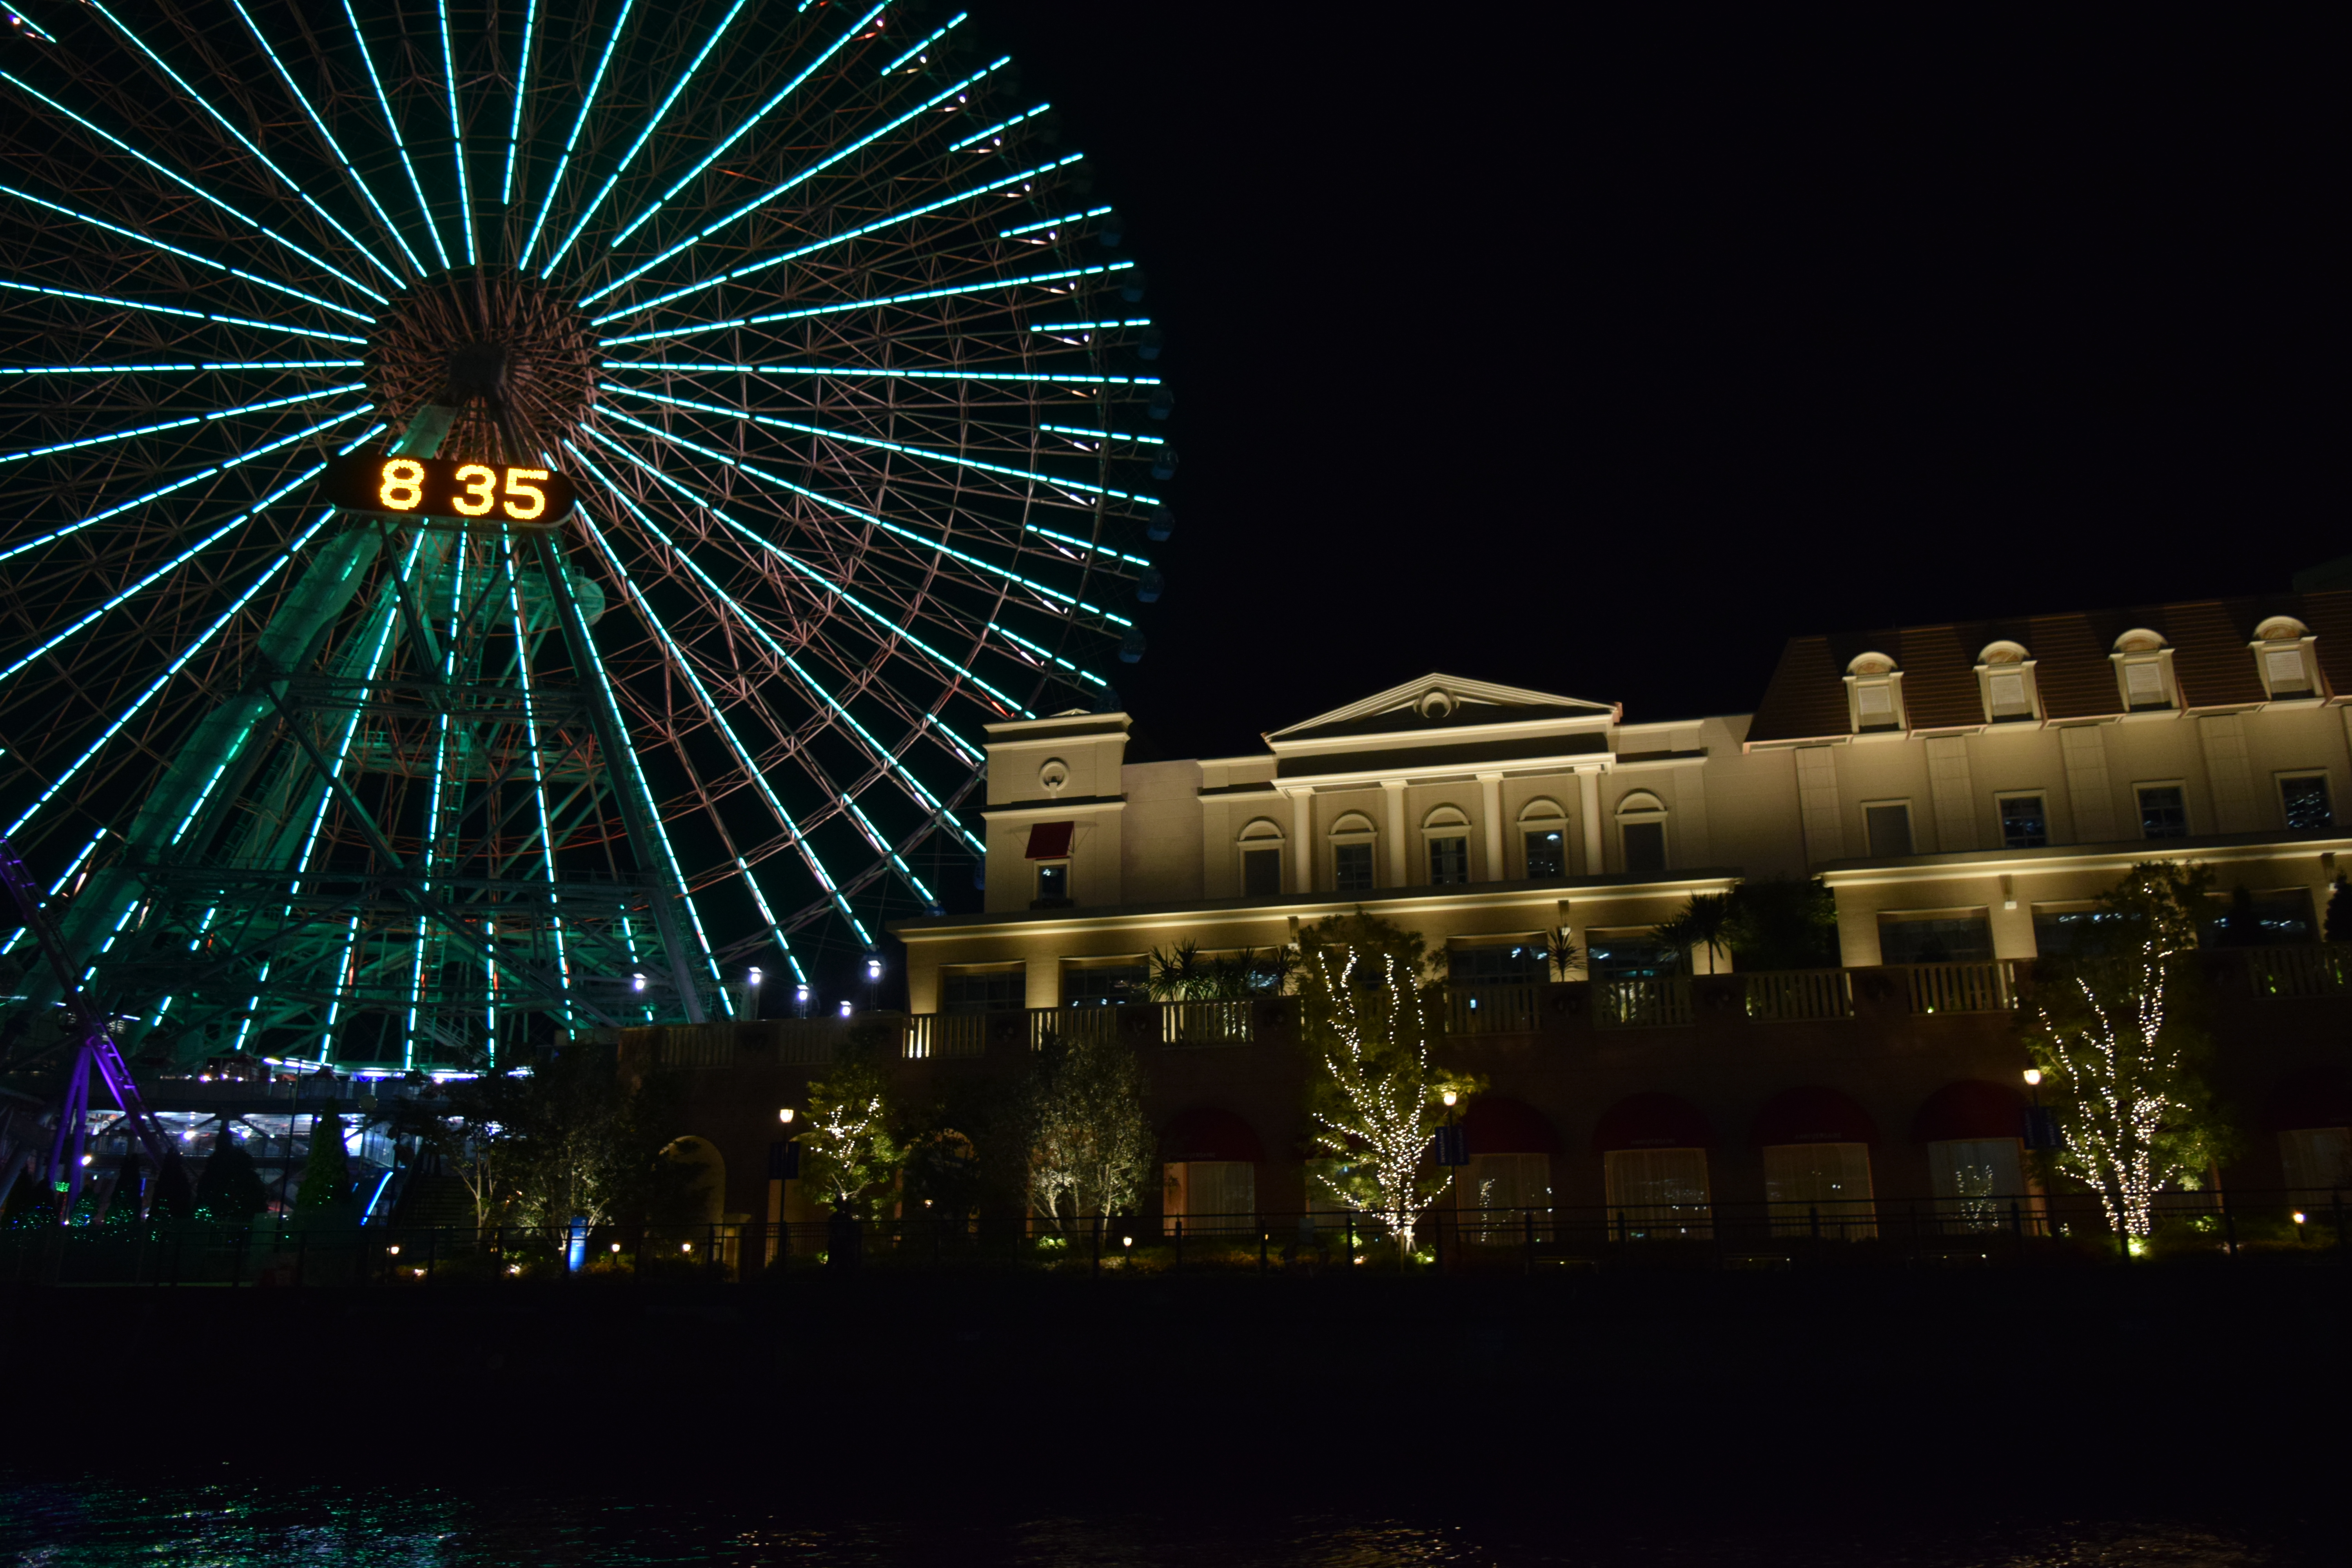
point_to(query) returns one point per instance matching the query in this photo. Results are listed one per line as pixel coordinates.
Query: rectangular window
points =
(1956, 937)
(1211, 1196)
(1261, 873)
(1645, 848)
(2163, 812)
(985, 991)
(1976, 1180)
(2065, 931)
(2286, 670)
(2275, 917)
(1656, 1193)
(1449, 861)
(2143, 684)
(1547, 854)
(2023, 824)
(1054, 882)
(1889, 828)
(1107, 984)
(1874, 700)
(2316, 1159)
(1502, 1192)
(2306, 801)
(1823, 1185)
(2007, 691)
(1351, 867)
(1634, 956)
(1497, 961)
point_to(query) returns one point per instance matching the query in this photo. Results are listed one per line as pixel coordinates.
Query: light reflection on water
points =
(94, 1520)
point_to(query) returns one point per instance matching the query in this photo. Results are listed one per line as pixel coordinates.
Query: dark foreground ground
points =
(1945, 1389)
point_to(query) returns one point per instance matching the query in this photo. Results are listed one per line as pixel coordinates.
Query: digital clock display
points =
(441, 488)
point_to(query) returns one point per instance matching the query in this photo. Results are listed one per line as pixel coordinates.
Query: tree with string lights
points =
(848, 1153)
(2116, 1033)
(1377, 1096)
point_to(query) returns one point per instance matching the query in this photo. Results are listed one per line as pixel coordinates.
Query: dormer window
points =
(2005, 678)
(1875, 691)
(2144, 671)
(2283, 656)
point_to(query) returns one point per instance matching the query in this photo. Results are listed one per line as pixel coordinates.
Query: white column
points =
(1394, 789)
(1588, 787)
(1490, 799)
(1302, 839)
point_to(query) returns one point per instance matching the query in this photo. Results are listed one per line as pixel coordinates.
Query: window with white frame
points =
(2143, 670)
(2006, 677)
(1642, 834)
(1053, 882)
(2024, 820)
(1543, 840)
(1353, 843)
(1260, 847)
(1874, 692)
(1887, 825)
(2283, 652)
(2303, 802)
(1445, 832)
(2163, 810)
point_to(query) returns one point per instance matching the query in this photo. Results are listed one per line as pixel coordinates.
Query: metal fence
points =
(2001, 1230)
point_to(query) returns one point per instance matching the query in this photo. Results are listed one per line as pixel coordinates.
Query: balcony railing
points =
(1641, 1004)
(1798, 995)
(1096, 1025)
(932, 1036)
(2282, 973)
(1960, 987)
(1495, 1008)
(795, 1042)
(1207, 1023)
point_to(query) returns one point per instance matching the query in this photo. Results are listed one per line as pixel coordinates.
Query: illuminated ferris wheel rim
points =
(652, 433)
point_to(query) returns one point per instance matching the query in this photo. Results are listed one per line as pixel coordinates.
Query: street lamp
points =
(636, 983)
(784, 1115)
(845, 1007)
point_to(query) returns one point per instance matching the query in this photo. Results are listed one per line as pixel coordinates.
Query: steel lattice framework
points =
(846, 363)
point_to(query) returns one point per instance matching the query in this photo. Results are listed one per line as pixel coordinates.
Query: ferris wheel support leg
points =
(638, 809)
(219, 740)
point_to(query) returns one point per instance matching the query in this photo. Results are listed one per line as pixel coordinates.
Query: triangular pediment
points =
(1437, 703)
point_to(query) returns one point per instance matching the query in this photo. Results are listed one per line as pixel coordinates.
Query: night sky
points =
(1540, 351)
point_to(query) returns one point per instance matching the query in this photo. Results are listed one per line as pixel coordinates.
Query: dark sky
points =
(1542, 350)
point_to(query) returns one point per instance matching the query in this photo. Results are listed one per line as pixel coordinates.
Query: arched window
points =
(1354, 845)
(1642, 834)
(2283, 655)
(1972, 1128)
(1873, 692)
(1652, 1152)
(1260, 847)
(2144, 670)
(2005, 682)
(1816, 1147)
(1446, 832)
(1543, 840)
(1508, 1185)
(1209, 1159)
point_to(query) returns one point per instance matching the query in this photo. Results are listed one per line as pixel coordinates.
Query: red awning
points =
(2315, 1097)
(1970, 1108)
(1495, 1125)
(1813, 1115)
(1050, 840)
(1206, 1133)
(1653, 1121)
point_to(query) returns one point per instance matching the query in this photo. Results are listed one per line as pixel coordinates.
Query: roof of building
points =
(2073, 674)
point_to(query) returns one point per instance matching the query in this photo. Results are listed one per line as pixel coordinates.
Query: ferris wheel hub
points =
(512, 355)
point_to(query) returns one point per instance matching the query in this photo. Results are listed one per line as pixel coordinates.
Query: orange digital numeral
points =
(402, 488)
(517, 489)
(481, 490)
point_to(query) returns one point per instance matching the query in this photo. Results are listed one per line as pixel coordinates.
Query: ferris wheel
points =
(842, 356)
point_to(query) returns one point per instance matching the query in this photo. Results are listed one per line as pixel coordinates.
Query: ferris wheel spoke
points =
(890, 220)
(154, 495)
(191, 187)
(157, 574)
(522, 85)
(891, 628)
(879, 754)
(152, 308)
(885, 373)
(580, 123)
(828, 433)
(134, 431)
(185, 255)
(727, 220)
(302, 99)
(653, 123)
(977, 285)
(390, 125)
(896, 530)
(710, 707)
(247, 143)
(757, 115)
(171, 672)
(457, 138)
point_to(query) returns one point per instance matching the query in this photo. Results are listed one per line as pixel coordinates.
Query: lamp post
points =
(784, 1165)
(1452, 1152)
